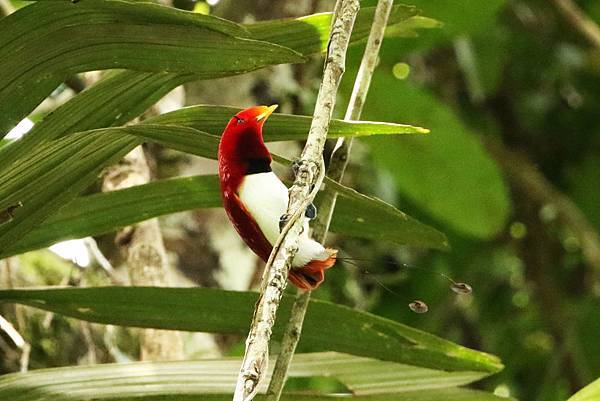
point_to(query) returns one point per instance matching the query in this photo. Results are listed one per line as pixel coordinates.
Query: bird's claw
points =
(296, 163)
(283, 221)
(311, 211)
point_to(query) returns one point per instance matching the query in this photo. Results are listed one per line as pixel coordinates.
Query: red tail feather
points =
(312, 274)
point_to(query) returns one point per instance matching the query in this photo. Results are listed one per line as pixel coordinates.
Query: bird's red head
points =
(242, 146)
(253, 118)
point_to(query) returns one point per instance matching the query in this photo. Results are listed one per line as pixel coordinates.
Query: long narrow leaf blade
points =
(114, 100)
(53, 175)
(328, 327)
(591, 392)
(356, 214)
(307, 35)
(450, 394)
(279, 127)
(18, 185)
(43, 43)
(207, 377)
(105, 212)
(310, 34)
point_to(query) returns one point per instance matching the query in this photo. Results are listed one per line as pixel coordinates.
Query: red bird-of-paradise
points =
(255, 198)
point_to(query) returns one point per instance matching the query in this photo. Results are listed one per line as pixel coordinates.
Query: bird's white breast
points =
(266, 199)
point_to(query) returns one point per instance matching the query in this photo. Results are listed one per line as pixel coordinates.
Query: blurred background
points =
(510, 173)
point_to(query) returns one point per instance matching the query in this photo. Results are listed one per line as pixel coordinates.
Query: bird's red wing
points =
(307, 277)
(245, 225)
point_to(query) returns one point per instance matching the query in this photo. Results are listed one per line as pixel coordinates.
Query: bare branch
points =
(585, 25)
(146, 254)
(337, 166)
(308, 180)
(339, 158)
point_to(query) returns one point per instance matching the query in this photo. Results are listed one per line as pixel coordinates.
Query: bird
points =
(255, 199)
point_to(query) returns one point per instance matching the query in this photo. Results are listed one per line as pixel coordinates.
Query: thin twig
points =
(584, 24)
(88, 338)
(11, 332)
(337, 167)
(465, 57)
(308, 179)
(24, 359)
(103, 262)
(18, 340)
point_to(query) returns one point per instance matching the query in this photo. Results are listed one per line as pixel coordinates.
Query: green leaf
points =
(279, 127)
(18, 183)
(309, 39)
(364, 216)
(118, 381)
(591, 392)
(355, 215)
(408, 28)
(122, 96)
(328, 327)
(469, 17)
(114, 100)
(450, 394)
(310, 34)
(43, 43)
(105, 212)
(111, 101)
(54, 174)
(447, 174)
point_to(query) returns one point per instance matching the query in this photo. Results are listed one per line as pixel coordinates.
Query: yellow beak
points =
(268, 111)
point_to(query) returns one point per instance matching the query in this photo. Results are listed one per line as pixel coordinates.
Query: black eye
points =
(239, 120)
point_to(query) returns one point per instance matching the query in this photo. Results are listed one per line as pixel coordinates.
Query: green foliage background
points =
(506, 87)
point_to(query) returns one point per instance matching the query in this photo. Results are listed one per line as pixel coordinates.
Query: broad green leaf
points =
(328, 327)
(105, 212)
(450, 394)
(359, 215)
(591, 392)
(279, 127)
(75, 115)
(447, 174)
(124, 95)
(197, 378)
(364, 216)
(312, 38)
(310, 34)
(356, 214)
(467, 17)
(54, 174)
(116, 99)
(408, 29)
(43, 43)
(21, 182)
